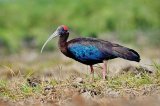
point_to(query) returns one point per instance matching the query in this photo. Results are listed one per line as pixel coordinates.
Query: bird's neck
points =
(63, 43)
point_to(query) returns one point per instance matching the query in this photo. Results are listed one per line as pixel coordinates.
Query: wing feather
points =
(102, 50)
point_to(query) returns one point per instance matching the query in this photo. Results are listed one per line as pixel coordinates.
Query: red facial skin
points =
(65, 27)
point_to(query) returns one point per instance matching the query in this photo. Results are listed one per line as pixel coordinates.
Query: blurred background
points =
(26, 24)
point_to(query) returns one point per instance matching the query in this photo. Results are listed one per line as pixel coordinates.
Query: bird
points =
(91, 51)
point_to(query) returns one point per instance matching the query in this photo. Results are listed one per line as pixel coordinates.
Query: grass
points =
(130, 80)
(21, 25)
(51, 79)
(26, 86)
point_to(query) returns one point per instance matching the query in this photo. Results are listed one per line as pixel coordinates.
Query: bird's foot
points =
(104, 78)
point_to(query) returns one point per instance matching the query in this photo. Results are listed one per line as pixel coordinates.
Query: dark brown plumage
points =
(109, 50)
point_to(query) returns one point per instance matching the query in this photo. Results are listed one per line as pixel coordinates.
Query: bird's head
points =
(60, 31)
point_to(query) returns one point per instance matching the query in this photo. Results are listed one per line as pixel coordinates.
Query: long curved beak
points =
(50, 38)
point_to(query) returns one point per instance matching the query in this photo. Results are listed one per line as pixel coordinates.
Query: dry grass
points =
(40, 81)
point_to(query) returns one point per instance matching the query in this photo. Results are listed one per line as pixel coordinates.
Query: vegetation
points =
(127, 84)
(30, 22)
(42, 82)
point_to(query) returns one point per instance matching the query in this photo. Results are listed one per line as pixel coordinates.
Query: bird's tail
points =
(126, 53)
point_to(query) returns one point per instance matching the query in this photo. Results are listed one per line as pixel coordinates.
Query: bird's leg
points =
(104, 70)
(92, 72)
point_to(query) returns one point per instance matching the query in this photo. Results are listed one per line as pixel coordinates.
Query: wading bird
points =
(91, 51)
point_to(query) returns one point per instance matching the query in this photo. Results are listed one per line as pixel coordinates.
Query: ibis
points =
(90, 51)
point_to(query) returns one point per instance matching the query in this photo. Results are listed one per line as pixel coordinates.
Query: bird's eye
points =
(63, 32)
